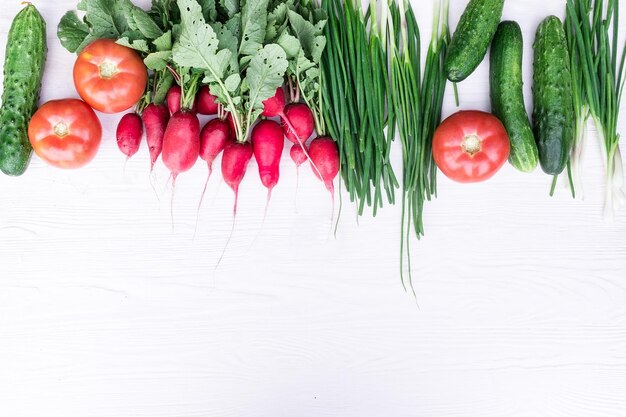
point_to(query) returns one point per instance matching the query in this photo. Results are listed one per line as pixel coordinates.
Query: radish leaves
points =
(264, 75)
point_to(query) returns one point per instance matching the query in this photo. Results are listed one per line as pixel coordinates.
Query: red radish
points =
(235, 161)
(298, 118)
(268, 142)
(129, 133)
(231, 123)
(325, 156)
(213, 138)
(181, 146)
(297, 155)
(206, 102)
(173, 100)
(181, 143)
(274, 106)
(155, 118)
(298, 122)
(294, 118)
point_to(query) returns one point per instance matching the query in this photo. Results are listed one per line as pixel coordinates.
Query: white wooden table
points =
(105, 312)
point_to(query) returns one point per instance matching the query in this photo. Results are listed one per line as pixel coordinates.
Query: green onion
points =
(356, 95)
(417, 98)
(574, 166)
(594, 24)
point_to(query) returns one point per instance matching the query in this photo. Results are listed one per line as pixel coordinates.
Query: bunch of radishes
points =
(174, 131)
(297, 125)
(244, 72)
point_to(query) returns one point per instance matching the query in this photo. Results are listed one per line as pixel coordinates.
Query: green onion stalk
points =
(596, 24)
(574, 166)
(417, 100)
(355, 106)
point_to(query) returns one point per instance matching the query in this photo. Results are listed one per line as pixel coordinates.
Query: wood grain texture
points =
(107, 312)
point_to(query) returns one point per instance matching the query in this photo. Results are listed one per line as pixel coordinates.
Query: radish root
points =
(230, 236)
(173, 176)
(206, 184)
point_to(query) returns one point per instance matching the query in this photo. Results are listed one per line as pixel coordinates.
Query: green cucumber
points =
(472, 37)
(553, 116)
(507, 95)
(23, 69)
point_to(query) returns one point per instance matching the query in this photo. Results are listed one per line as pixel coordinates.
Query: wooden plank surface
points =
(107, 312)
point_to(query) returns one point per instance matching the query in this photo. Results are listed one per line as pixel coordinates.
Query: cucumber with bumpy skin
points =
(472, 37)
(23, 69)
(553, 116)
(507, 95)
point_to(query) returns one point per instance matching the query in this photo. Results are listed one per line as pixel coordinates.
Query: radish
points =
(268, 142)
(235, 161)
(231, 123)
(173, 100)
(298, 123)
(181, 143)
(181, 146)
(297, 155)
(274, 106)
(129, 133)
(206, 103)
(155, 118)
(215, 135)
(294, 118)
(213, 138)
(325, 156)
(299, 118)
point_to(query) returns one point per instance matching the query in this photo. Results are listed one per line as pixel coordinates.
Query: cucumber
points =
(23, 69)
(553, 116)
(471, 38)
(507, 95)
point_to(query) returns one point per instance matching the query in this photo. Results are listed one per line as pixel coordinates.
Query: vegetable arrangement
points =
(340, 83)
(226, 59)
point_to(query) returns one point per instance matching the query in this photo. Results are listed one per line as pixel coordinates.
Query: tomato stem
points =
(107, 70)
(61, 129)
(471, 145)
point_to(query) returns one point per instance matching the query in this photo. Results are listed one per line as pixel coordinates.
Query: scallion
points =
(594, 26)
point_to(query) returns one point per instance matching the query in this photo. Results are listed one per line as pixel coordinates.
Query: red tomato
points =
(111, 78)
(470, 146)
(65, 133)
